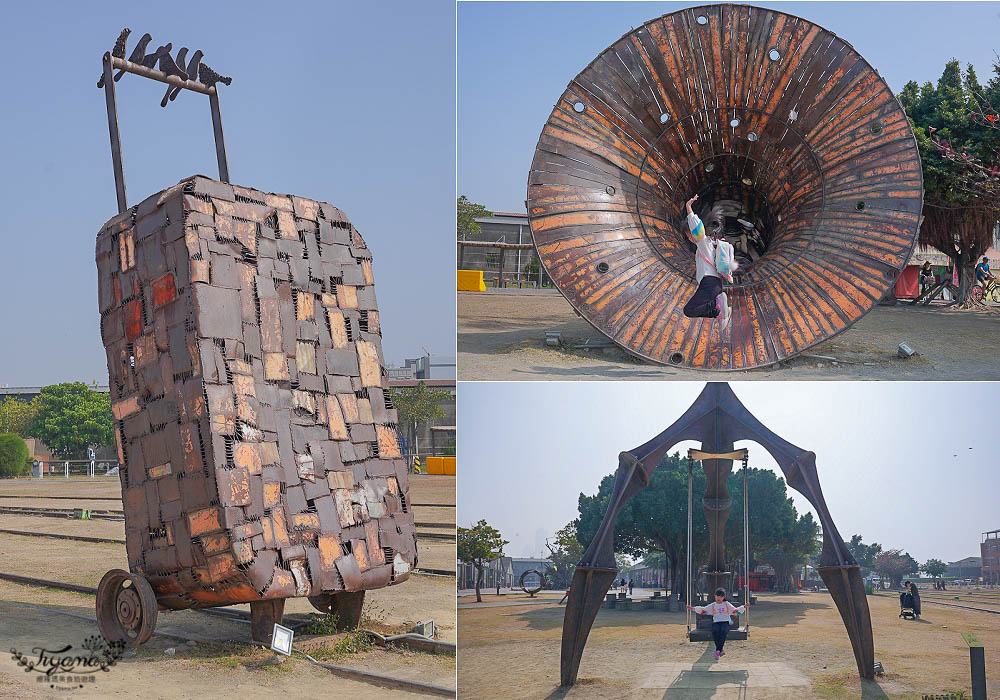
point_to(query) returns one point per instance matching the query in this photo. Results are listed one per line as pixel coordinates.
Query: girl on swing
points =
(713, 262)
(720, 610)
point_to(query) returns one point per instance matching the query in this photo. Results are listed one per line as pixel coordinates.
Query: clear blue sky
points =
(515, 59)
(347, 102)
(528, 449)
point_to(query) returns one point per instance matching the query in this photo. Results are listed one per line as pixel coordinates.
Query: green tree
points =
(14, 455)
(16, 415)
(864, 554)
(467, 213)
(893, 565)
(478, 545)
(416, 405)
(797, 542)
(959, 212)
(564, 553)
(71, 417)
(934, 568)
(655, 520)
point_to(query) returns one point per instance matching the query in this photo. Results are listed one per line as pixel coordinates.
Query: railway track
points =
(119, 515)
(925, 601)
(109, 540)
(377, 679)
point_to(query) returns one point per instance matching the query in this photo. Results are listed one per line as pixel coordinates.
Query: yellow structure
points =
(471, 281)
(441, 465)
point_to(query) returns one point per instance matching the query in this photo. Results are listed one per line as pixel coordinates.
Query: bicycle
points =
(988, 290)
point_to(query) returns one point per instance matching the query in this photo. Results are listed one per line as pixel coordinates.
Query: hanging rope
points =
(687, 601)
(746, 547)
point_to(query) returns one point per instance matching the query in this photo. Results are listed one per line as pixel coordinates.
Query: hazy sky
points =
(515, 60)
(347, 102)
(528, 449)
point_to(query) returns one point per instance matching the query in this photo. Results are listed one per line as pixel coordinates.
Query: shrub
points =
(14, 455)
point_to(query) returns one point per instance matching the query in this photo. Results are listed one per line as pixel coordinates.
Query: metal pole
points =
(687, 602)
(220, 139)
(746, 548)
(116, 144)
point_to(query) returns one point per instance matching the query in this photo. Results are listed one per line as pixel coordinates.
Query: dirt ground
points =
(214, 668)
(801, 634)
(501, 336)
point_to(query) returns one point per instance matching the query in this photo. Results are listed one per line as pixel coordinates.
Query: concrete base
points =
(698, 635)
(681, 678)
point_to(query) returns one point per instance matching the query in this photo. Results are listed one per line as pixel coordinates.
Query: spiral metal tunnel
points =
(775, 119)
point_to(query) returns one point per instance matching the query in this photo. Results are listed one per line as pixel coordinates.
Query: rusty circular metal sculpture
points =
(126, 608)
(533, 591)
(772, 117)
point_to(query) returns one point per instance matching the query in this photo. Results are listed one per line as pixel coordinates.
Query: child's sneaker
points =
(717, 655)
(727, 318)
(722, 653)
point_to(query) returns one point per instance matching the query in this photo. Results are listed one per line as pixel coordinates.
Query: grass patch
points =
(831, 686)
(354, 642)
(324, 624)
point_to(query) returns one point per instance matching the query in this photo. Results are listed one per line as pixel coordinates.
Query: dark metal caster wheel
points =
(347, 606)
(126, 608)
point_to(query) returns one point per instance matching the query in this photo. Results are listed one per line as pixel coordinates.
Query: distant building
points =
(427, 367)
(970, 567)
(436, 437)
(27, 393)
(990, 550)
(502, 227)
(519, 566)
(498, 570)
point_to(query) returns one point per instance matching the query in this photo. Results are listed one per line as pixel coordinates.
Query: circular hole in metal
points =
(860, 205)
(602, 267)
(579, 106)
(610, 189)
(709, 167)
(702, 19)
(774, 54)
(664, 118)
(747, 181)
(876, 127)
(734, 122)
(751, 136)
(676, 358)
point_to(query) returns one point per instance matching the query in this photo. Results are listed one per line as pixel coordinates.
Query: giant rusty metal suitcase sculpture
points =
(256, 435)
(716, 419)
(774, 118)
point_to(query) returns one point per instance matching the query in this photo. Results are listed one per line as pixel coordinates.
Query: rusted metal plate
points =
(234, 361)
(775, 119)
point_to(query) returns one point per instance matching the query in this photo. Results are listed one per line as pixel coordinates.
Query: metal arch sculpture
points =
(776, 118)
(717, 419)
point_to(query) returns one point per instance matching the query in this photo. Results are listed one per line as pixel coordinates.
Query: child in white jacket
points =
(713, 261)
(720, 610)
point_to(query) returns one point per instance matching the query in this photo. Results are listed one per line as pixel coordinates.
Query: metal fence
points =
(503, 264)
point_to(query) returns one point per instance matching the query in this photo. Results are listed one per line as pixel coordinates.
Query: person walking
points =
(721, 611)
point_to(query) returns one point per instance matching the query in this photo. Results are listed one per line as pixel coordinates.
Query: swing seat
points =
(703, 635)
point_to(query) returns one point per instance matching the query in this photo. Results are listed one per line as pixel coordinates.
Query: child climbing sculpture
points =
(714, 262)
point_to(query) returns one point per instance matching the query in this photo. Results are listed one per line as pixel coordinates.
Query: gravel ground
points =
(501, 336)
(803, 633)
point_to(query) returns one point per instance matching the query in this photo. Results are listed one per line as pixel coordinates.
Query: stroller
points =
(906, 607)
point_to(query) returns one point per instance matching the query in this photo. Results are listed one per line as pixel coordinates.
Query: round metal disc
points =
(531, 591)
(126, 608)
(835, 203)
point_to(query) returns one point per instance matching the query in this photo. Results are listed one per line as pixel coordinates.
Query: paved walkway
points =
(724, 680)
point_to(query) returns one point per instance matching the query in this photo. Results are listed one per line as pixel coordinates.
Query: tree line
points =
(652, 528)
(68, 418)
